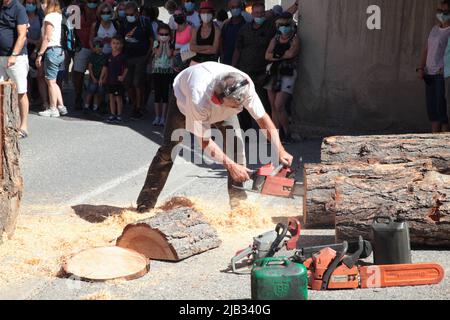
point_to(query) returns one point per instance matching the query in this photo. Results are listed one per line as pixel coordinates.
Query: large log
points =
(389, 149)
(171, 235)
(417, 194)
(11, 184)
(319, 185)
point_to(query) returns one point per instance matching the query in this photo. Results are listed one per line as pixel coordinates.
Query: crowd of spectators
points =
(124, 52)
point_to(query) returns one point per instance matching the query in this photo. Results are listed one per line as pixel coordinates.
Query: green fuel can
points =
(279, 279)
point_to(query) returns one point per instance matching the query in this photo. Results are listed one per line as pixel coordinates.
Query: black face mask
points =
(180, 19)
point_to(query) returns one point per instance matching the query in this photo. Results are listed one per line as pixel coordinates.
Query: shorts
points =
(80, 60)
(18, 73)
(116, 90)
(54, 58)
(447, 95)
(286, 85)
(435, 97)
(136, 71)
(95, 88)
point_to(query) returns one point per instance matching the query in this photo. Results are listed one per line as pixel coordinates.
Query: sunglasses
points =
(106, 12)
(446, 12)
(163, 34)
(130, 15)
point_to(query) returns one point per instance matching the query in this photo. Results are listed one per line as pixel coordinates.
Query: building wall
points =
(355, 79)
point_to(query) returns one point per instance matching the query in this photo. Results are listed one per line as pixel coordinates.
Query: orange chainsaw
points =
(278, 181)
(331, 267)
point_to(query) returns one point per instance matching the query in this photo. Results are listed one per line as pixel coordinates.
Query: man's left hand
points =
(286, 158)
(11, 61)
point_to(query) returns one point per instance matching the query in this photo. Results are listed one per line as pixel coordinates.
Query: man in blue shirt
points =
(13, 53)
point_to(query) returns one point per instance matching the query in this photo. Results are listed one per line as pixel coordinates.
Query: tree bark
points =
(172, 235)
(389, 149)
(414, 192)
(11, 184)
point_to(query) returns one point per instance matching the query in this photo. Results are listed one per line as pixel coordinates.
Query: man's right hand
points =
(420, 74)
(239, 173)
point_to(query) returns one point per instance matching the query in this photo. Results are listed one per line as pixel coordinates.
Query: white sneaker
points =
(51, 112)
(62, 110)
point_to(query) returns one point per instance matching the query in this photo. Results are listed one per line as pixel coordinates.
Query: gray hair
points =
(225, 83)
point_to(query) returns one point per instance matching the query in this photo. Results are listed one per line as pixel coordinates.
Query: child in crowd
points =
(162, 73)
(113, 74)
(97, 61)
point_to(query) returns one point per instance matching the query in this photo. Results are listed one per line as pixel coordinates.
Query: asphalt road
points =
(79, 160)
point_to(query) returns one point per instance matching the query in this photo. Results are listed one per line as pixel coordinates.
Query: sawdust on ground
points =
(41, 244)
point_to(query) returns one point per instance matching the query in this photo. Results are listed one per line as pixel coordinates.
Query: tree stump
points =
(11, 184)
(417, 194)
(171, 235)
(389, 149)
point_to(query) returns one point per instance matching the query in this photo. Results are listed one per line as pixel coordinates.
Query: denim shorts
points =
(95, 88)
(54, 59)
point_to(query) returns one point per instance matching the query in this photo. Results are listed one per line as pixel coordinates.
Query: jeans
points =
(162, 162)
(54, 59)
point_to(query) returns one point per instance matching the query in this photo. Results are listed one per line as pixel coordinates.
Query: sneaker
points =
(62, 110)
(94, 108)
(118, 119)
(111, 119)
(156, 121)
(50, 113)
(162, 122)
(86, 110)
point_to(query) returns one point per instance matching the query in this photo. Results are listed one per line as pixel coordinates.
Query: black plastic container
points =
(391, 243)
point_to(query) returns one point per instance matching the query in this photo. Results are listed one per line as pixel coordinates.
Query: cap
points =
(206, 5)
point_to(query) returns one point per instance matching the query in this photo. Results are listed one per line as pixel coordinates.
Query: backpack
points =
(69, 38)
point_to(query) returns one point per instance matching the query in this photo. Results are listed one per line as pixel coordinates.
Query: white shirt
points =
(193, 90)
(55, 20)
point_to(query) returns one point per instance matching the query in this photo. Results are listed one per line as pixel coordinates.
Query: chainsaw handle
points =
(272, 260)
(281, 235)
(239, 256)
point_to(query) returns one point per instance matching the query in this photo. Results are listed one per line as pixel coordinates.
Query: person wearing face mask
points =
(205, 40)
(431, 69)
(249, 56)
(192, 16)
(138, 34)
(104, 28)
(120, 12)
(206, 96)
(162, 73)
(81, 58)
(282, 52)
(230, 31)
(182, 39)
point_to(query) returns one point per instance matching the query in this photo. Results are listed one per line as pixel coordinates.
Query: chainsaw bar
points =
(398, 275)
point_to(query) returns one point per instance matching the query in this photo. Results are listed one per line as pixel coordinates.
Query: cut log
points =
(389, 149)
(171, 235)
(11, 184)
(419, 195)
(108, 263)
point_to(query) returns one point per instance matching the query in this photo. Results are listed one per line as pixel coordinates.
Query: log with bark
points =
(171, 235)
(11, 184)
(389, 149)
(414, 192)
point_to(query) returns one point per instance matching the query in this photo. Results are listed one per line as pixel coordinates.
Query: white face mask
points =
(206, 17)
(163, 38)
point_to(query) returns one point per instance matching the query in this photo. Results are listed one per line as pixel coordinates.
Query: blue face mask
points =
(236, 12)
(30, 7)
(259, 20)
(131, 19)
(285, 29)
(121, 13)
(189, 6)
(106, 17)
(92, 5)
